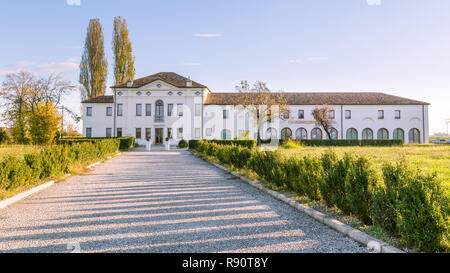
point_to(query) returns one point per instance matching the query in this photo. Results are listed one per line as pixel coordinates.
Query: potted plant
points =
(167, 143)
(149, 144)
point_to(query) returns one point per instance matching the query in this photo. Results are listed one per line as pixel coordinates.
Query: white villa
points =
(167, 105)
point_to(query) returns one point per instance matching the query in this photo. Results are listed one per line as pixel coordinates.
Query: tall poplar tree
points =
(93, 66)
(123, 52)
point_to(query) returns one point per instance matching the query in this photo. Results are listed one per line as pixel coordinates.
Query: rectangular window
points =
(138, 110)
(226, 114)
(197, 132)
(208, 131)
(119, 132)
(398, 114)
(198, 110)
(380, 114)
(89, 111)
(148, 133)
(138, 133)
(169, 109)
(180, 110)
(120, 110)
(285, 115)
(331, 114)
(88, 132)
(269, 115)
(108, 111)
(301, 114)
(108, 132)
(348, 114)
(148, 110)
(169, 132)
(180, 133)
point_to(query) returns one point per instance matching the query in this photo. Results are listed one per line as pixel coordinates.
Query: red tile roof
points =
(168, 77)
(100, 99)
(319, 98)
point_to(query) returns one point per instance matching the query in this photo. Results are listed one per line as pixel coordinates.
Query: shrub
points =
(310, 177)
(182, 144)
(326, 185)
(290, 144)
(14, 173)
(51, 161)
(360, 183)
(423, 213)
(3, 136)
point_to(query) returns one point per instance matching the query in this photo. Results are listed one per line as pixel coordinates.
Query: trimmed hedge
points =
(404, 202)
(248, 143)
(343, 142)
(51, 161)
(126, 143)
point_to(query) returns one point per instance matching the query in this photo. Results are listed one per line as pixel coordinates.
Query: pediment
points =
(158, 85)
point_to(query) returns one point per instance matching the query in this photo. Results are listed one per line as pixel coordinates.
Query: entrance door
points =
(159, 135)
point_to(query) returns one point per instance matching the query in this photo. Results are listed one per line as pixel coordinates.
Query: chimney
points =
(129, 83)
(189, 82)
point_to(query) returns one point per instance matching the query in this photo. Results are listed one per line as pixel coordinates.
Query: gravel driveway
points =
(161, 202)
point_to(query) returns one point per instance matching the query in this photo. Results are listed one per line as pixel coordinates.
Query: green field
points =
(429, 158)
(16, 150)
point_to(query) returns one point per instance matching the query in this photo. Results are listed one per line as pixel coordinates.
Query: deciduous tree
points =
(322, 116)
(259, 102)
(123, 52)
(44, 123)
(93, 66)
(15, 92)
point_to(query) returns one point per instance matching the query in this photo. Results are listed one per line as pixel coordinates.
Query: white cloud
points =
(45, 68)
(373, 2)
(207, 35)
(73, 2)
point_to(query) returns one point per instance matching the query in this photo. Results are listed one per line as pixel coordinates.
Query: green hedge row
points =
(342, 142)
(51, 161)
(126, 143)
(248, 143)
(404, 202)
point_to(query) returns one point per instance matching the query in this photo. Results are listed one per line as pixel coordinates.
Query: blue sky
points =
(401, 47)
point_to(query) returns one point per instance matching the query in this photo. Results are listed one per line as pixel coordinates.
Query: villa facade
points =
(167, 105)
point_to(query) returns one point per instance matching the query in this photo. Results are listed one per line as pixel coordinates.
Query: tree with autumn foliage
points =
(322, 117)
(259, 102)
(123, 52)
(44, 123)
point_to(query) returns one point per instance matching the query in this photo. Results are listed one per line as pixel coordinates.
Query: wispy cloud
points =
(373, 2)
(207, 35)
(70, 64)
(73, 2)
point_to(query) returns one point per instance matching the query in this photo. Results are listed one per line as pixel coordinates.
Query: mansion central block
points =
(167, 105)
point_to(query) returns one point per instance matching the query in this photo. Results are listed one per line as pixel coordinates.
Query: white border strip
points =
(5, 203)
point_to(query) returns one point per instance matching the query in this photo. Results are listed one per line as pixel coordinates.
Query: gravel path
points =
(161, 202)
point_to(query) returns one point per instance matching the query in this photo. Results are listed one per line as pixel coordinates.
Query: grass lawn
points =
(429, 158)
(16, 150)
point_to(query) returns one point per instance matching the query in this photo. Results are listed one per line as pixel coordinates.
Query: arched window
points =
(316, 133)
(286, 133)
(367, 134)
(271, 133)
(352, 134)
(414, 136)
(301, 133)
(383, 134)
(159, 109)
(333, 133)
(226, 134)
(399, 134)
